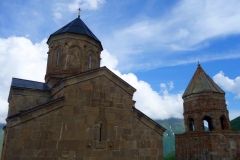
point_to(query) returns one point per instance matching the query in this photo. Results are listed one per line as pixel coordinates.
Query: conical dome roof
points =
(76, 26)
(200, 83)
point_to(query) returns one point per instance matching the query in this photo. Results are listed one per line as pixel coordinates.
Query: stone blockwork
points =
(197, 106)
(208, 133)
(22, 99)
(217, 145)
(95, 120)
(81, 112)
(70, 54)
(65, 135)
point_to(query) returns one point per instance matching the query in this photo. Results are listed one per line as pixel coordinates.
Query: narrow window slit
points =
(100, 131)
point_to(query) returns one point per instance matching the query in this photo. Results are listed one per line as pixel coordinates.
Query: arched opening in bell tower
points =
(207, 123)
(223, 122)
(191, 124)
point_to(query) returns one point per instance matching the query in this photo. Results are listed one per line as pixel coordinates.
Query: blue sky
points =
(154, 45)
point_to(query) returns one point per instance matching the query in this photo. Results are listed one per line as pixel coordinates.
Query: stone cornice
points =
(84, 76)
(148, 121)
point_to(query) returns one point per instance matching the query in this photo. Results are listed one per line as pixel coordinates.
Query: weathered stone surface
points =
(87, 114)
(203, 145)
(70, 128)
(23, 99)
(200, 105)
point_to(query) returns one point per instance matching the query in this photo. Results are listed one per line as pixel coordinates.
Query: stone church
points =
(208, 134)
(82, 111)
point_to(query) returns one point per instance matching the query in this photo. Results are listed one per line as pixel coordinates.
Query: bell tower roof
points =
(76, 26)
(200, 83)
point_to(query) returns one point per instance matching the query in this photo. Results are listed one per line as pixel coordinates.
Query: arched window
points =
(224, 124)
(56, 57)
(191, 124)
(90, 61)
(207, 123)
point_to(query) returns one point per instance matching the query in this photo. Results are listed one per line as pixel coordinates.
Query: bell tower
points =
(204, 104)
(208, 134)
(72, 49)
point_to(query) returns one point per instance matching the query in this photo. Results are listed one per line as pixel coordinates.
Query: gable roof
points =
(200, 83)
(76, 26)
(102, 71)
(23, 83)
(148, 121)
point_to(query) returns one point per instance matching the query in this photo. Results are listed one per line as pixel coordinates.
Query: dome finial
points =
(199, 64)
(79, 10)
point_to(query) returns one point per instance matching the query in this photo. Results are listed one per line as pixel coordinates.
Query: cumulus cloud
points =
(157, 105)
(19, 58)
(59, 8)
(228, 84)
(108, 60)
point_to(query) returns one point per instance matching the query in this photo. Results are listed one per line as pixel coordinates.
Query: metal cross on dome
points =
(199, 64)
(79, 10)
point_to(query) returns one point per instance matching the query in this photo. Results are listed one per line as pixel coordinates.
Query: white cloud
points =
(108, 60)
(227, 84)
(85, 4)
(57, 15)
(4, 107)
(156, 105)
(59, 8)
(19, 58)
(188, 26)
(171, 85)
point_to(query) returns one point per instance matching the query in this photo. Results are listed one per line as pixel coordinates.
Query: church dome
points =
(72, 49)
(76, 26)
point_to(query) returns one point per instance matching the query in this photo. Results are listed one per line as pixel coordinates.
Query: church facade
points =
(208, 134)
(82, 111)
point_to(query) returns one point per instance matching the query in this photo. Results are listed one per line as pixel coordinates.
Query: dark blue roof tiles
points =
(17, 83)
(76, 26)
(22, 83)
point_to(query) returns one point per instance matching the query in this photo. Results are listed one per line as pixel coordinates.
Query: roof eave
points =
(184, 96)
(48, 41)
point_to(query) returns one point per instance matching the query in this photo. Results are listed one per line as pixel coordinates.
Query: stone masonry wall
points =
(22, 99)
(96, 122)
(61, 135)
(205, 104)
(69, 56)
(208, 146)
